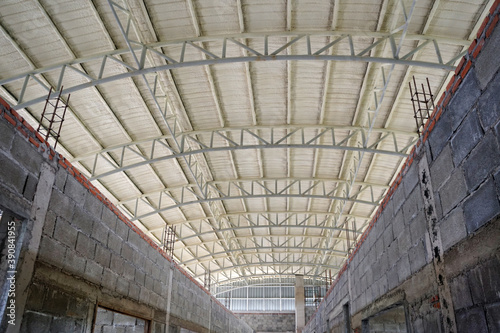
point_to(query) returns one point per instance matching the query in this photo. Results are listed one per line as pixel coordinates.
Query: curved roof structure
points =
(266, 132)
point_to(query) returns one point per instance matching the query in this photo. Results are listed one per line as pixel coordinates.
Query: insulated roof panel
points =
(242, 123)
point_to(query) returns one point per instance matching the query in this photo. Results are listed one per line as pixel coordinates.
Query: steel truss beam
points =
(346, 46)
(159, 149)
(171, 198)
(272, 268)
(260, 280)
(266, 250)
(262, 219)
(279, 226)
(267, 238)
(308, 222)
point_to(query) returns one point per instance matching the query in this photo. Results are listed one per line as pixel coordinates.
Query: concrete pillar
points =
(169, 295)
(447, 310)
(300, 304)
(36, 222)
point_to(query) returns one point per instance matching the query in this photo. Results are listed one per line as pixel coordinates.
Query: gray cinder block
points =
(403, 267)
(51, 251)
(93, 206)
(453, 228)
(82, 221)
(411, 179)
(93, 271)
(464, 99)
(122, 286)
(460, 292)
(128, 271)
(484, 282)
(116, 264)
(481, 206)
(440, 168)
(472, 320)
(24, 152)
(100, 232)
(488, 62)
(65, 232)
(85, 246)
(417, 256)
(441, 133)
(61, 204)
(418, 228)
(466, 138)
(481, 161)
(133, 291)
(109, 279)
(74, 263)
(114, 243)
(453, 191)
(11, 170)
(109, 218)
(102, 255)
(493, 316)
(75, 191)
(122, 229)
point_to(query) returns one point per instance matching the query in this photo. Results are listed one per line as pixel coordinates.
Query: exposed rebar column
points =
(52, 118)
(206, 280)
(168, 240)
(423, 104)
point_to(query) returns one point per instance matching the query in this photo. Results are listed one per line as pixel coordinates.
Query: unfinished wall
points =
(433, 248)
(269, 322)
(77, 251)
(107, 321)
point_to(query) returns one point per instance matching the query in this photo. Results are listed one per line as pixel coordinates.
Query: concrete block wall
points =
(269, 322)
(309, 312)
(434, 244)
(54, 310)
(78, 249)
(107, 321)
